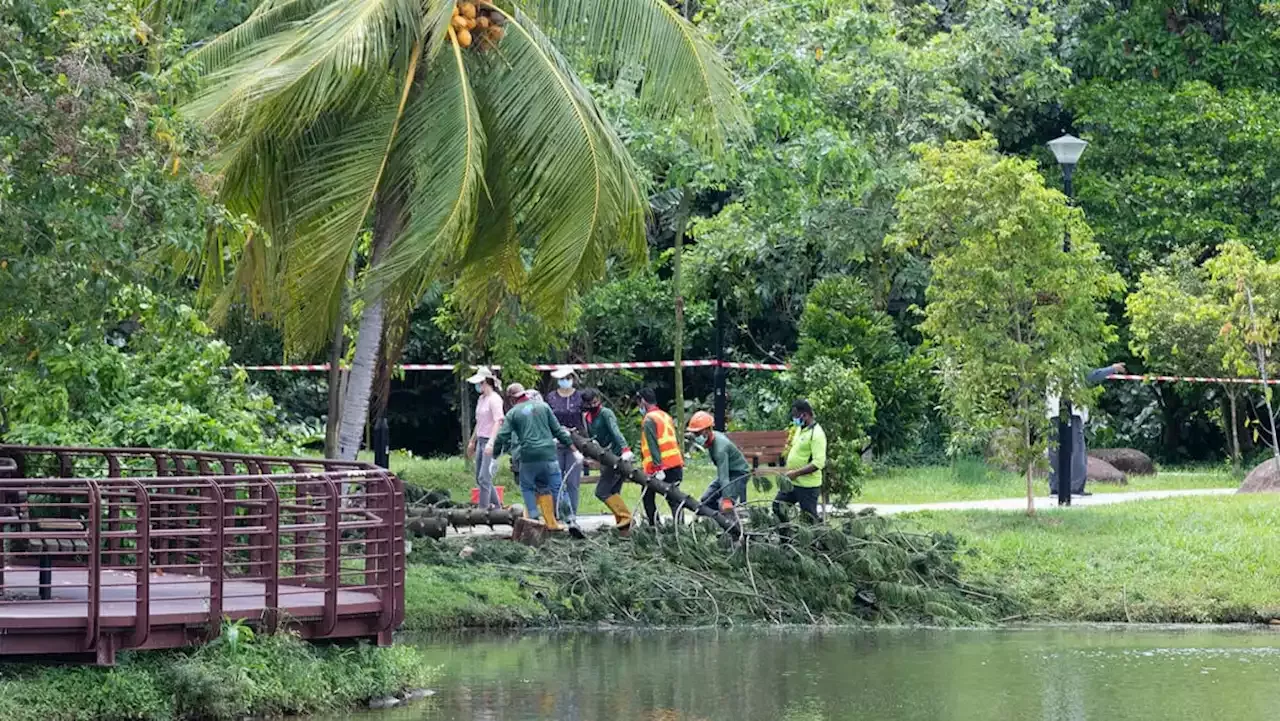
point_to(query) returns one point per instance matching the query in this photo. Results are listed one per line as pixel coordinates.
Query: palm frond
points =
(335, 191)
(572, 189)
(683, 72)
(442, 143)
(288, 78)
(268, 18)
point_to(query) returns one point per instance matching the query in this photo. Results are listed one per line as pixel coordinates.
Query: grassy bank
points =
(963, 481)
(1212, 559)
(264, 677)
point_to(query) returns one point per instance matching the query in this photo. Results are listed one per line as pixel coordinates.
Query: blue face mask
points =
(566, 382)
(700, 441)
(479, 387)
(797, 422)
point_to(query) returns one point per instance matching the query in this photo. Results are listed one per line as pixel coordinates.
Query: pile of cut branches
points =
(862, 569)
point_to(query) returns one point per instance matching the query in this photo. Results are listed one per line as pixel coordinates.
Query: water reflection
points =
(1060, 674)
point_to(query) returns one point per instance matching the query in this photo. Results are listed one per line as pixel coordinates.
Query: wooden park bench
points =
(11, 515)
(762, 448)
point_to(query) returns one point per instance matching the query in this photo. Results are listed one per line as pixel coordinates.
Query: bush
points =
(265, 676)
(157, 379)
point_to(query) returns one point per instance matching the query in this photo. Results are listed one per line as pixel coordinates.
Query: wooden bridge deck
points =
(109, 549)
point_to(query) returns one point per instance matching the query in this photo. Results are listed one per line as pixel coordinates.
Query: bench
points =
(46, 547)
(761, 447)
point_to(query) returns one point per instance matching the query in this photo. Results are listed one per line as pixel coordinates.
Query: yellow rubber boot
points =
(547, 505)
(621, 514)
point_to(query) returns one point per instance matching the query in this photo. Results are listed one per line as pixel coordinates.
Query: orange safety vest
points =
(668, 447)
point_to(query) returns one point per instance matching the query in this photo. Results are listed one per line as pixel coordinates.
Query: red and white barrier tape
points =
(742, 366)
(536, 366)
(1192, 379)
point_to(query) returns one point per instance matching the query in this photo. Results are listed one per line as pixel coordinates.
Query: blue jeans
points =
(572, 482)
(538, 478)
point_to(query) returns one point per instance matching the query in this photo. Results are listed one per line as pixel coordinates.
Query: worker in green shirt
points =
(602, 427)
(531, 427)
(806, 457)
(732, 470)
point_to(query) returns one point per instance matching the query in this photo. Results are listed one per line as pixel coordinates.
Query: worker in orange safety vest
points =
(659, 451)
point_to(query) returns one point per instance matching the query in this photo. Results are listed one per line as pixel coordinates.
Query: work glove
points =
(488, 448)
(577, 456)
(628, 456)
(660, 475)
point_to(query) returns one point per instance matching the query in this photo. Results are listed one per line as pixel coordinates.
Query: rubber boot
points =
(621, 514)
(547, 504)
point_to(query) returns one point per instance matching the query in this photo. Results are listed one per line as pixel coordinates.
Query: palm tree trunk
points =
(359, 383)
(682, 213)
(337, 349)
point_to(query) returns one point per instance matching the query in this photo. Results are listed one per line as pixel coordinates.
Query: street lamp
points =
(1067, 150)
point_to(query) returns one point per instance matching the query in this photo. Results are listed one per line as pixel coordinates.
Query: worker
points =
(1079, 417)
(732, 470)
(602, 427)
(531, 427)
(566, 404)
(659, 452)
(806, 457)
(489, 416)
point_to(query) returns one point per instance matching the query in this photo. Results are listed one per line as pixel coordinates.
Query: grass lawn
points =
(1210, 559)
(963, 481)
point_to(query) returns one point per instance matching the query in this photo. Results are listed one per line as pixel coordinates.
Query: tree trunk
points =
(359, 382)
(1031, 491)
(682, 214)
(1235, 430)
(464, 417)
(337, 349)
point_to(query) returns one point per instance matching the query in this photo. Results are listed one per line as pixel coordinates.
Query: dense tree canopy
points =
(107, 193)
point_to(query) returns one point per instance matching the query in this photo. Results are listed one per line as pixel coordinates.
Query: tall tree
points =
(339, 114)
(1013, 316)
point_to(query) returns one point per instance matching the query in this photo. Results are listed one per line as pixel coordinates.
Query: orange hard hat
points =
(701, 421)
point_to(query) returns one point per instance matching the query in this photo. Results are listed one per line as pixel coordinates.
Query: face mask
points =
(566, 382)
(479, 387)
(700, 441)
(798, 422)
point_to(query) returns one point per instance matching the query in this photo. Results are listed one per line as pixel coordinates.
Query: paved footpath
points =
(1043, 502)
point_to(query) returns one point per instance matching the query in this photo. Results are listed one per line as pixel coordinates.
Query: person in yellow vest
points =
(659, 451)
(806, 457)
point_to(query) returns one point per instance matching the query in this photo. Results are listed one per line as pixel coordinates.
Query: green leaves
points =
(1013, 316)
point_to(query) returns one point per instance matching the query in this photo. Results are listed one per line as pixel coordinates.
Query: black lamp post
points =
(1067, 150)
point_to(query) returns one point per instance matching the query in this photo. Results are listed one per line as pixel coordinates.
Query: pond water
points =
(1053, 674)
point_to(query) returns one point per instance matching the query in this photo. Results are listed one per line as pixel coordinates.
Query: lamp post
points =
(1067, 150)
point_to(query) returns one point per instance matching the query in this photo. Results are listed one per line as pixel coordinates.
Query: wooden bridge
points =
(109, 549)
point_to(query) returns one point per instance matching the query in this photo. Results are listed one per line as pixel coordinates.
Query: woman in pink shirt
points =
(489, 415)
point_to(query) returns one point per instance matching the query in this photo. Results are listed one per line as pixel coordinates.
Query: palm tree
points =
(475, 157)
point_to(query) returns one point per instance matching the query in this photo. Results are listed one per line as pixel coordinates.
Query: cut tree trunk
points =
(676, 497)
(359, 384)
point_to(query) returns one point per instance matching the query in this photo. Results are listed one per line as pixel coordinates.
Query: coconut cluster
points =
(481, 26)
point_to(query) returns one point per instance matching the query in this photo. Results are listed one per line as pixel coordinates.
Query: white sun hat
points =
(482, 374)
(562, 372)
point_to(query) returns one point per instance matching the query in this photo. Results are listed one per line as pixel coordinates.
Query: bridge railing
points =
(140, 537)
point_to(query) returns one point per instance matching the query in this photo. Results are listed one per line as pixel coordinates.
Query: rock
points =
(1263, 479)
(1100, 471)
(1127, 460)
(386, 702)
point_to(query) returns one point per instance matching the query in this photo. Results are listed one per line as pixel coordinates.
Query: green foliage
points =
(1013, 316)
(1186, 168)
(266, 676)
(1227, 43)
(156, 379)
(840, 322)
